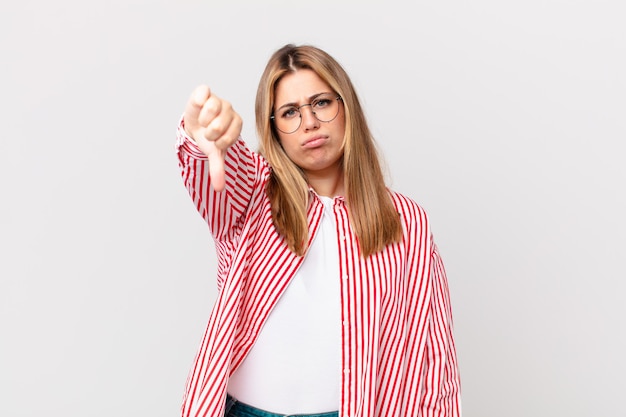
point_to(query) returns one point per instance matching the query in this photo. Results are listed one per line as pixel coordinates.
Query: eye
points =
(289, 113)
(321, 103)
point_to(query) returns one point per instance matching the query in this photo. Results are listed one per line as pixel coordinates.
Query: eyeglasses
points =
(325, 107)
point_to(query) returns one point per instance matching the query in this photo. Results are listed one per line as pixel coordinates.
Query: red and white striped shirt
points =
(398, 352)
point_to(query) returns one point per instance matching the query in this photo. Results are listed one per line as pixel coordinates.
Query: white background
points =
(505, 120)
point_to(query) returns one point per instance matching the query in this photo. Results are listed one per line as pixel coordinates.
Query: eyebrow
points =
(311, 98)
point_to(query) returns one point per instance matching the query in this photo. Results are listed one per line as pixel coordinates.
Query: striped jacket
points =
(398, 352)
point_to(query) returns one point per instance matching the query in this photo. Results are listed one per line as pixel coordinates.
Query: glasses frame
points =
(273, 118)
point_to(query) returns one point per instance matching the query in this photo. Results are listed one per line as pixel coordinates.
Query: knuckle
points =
(212, 105)
(226, 105)
(218, 126)
(210, 133)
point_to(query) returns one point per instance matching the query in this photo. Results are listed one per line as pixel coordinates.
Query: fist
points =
(213, 124)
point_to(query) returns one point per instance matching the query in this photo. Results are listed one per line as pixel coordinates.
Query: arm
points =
(431, 378)
(441, 382)
(243, 174)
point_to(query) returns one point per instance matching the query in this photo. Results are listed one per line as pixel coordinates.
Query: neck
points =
(328, 186)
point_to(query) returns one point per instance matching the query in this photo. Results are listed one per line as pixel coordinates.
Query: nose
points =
(309, 121)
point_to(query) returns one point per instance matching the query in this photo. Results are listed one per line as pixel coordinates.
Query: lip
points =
(315, 141)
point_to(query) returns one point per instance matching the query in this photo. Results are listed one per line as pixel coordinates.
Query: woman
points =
(332, 298)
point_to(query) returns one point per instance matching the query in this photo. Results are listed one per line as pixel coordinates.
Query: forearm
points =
(243, 171)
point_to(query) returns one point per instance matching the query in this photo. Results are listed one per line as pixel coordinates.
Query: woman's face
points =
(316, 146)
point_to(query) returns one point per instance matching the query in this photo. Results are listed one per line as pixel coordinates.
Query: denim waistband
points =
(235, 408)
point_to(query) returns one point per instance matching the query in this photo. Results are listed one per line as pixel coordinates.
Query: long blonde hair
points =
(374, 219)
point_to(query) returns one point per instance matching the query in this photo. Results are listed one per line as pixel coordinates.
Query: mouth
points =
(315, 141)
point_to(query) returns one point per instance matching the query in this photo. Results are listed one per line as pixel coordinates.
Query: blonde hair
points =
(374, 219)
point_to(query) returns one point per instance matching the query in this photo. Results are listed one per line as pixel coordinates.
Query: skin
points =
(213, 124)
(316, 147)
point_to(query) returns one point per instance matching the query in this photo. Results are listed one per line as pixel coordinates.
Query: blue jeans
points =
(236, 408)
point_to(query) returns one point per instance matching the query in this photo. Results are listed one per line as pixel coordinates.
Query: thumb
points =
(216, 169)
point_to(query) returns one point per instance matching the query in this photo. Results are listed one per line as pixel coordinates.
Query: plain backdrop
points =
(506, 120)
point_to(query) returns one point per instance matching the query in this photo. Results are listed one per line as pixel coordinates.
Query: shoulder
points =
(409, 210)
(406, 205)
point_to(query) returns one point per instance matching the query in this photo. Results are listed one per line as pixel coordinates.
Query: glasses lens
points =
(288, 119)
(325, 108)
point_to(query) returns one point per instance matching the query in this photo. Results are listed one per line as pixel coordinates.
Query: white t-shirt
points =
(295, 365)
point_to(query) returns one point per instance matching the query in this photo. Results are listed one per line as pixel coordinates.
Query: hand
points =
(213, 124)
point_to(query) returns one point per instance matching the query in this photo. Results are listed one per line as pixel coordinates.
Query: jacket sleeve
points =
(244, 170)
(441, 390)
(246, 173)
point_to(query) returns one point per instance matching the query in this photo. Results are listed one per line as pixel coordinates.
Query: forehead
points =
(299, 86)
